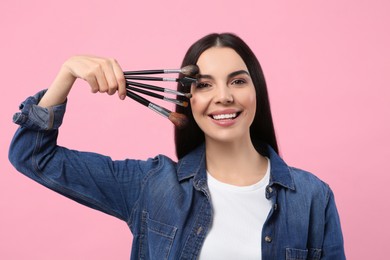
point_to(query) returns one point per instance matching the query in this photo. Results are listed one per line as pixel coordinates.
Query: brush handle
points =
(137, 98)
(156, 88)
(141, 72)
(150, 78)
(152, 94)
(147, 86)
(156, 108)
(184, 81)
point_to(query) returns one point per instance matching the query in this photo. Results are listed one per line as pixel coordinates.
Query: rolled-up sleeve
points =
(39, 118)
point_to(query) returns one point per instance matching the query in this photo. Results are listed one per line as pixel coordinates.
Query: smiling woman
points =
(230, 195)
(230, 114)
(224, 101)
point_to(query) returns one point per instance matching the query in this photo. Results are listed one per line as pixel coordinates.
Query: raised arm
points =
(89, 178)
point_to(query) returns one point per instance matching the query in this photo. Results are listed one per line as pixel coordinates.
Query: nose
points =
(224, 95)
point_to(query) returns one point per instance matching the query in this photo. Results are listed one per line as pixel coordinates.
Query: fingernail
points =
(122, 97)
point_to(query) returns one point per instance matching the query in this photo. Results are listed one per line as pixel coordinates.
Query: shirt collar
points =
(194, 165)
(280, 171)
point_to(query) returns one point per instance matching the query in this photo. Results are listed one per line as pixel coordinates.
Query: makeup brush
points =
(152, 94)
(190, 70)
(156, 88)
(184, 81)
(179, 120)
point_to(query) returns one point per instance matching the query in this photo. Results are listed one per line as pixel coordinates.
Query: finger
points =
(120, 78)
(93, 83)
(98, 71)
(84, 69)
(110, 76)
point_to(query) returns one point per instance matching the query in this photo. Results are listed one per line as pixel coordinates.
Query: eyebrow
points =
(233, 74)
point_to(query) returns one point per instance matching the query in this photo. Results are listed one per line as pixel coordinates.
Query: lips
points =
(224, 116)
(228, 115)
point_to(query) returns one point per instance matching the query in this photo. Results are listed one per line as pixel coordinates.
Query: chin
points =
(226, 136)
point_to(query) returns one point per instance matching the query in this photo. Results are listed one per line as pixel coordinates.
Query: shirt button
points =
(275, 206)
(268, 239)
(199, 230)
(270, 189)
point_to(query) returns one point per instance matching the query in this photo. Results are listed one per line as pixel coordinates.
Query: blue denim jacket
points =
(167, 204)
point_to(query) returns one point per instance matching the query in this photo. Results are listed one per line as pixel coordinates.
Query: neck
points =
(236, 163)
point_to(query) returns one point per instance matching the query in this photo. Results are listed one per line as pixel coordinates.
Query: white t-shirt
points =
(239, 215)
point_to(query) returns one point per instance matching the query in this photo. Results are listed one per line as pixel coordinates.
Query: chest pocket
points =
(303, 254)
(158, 239)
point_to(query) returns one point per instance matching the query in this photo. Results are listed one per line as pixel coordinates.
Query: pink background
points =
(327, 67)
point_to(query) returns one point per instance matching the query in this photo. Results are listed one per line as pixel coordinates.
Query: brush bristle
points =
(190, 70)
(179, 120)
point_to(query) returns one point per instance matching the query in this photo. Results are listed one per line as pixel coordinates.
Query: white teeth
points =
(224, 116)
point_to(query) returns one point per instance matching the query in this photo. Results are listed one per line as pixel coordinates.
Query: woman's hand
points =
(104, 75)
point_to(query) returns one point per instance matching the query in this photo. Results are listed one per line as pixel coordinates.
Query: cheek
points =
(247, 99)
(193, 101)
(198, 103)
(249, 102)
(252, 98)
(195, 108)
(252, 101)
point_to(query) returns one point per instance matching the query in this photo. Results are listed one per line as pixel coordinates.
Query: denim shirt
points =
(166, 204)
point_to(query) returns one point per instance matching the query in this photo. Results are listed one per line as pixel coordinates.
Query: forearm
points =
(59, 89)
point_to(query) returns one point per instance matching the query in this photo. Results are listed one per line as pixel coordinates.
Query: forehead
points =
(220, 60)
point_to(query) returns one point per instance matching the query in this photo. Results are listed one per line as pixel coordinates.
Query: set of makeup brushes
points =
(190, 71)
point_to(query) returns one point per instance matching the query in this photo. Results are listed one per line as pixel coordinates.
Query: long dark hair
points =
(262, 128)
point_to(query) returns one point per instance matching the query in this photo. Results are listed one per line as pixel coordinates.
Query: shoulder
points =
(308, 183)
(159, 175)
(158, 164)
(304, 177)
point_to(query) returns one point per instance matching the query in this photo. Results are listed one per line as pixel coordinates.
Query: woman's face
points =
(224, 100)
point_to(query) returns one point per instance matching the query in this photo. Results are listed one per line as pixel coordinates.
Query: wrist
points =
(65, 76)
(59, 89)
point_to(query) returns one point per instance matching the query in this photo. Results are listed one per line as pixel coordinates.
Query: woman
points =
(230, 196)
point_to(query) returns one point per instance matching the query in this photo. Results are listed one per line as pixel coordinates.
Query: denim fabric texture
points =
(166, 204)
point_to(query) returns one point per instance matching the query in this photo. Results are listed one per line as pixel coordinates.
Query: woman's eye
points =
(238, 82)
(202, 85)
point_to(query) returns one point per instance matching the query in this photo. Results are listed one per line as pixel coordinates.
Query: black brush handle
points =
(147, 86)
(152, 94)
(149, 78)
(140, 72)
(156, 108)
(152, 87)
(186, 81)
(137, 98)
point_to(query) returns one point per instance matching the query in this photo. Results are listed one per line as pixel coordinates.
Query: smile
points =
(225, 116)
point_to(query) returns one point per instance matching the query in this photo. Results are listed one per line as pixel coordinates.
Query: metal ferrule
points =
(172, 71)
(170, 79)
(175, 101)
(171, 91)
(160, 110)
